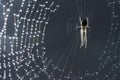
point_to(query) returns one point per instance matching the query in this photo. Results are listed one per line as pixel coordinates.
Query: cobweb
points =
(108, 62)
(23, 52)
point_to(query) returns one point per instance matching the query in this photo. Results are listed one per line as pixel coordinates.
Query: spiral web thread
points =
(22, 55)
(108, 67)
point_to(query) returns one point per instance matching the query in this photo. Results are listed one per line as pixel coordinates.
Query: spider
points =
(84, 25)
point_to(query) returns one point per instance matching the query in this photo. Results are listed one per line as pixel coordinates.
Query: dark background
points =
(57, 38)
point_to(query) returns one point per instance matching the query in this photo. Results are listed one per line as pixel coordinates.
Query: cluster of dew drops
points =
(22, 55)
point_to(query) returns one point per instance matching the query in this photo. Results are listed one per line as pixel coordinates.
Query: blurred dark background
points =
(57, 38)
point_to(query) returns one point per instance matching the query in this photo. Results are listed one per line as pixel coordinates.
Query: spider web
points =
(108, 62)
(23, 52)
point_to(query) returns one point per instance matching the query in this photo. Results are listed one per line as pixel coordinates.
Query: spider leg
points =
(87, 21)
(80, 21)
